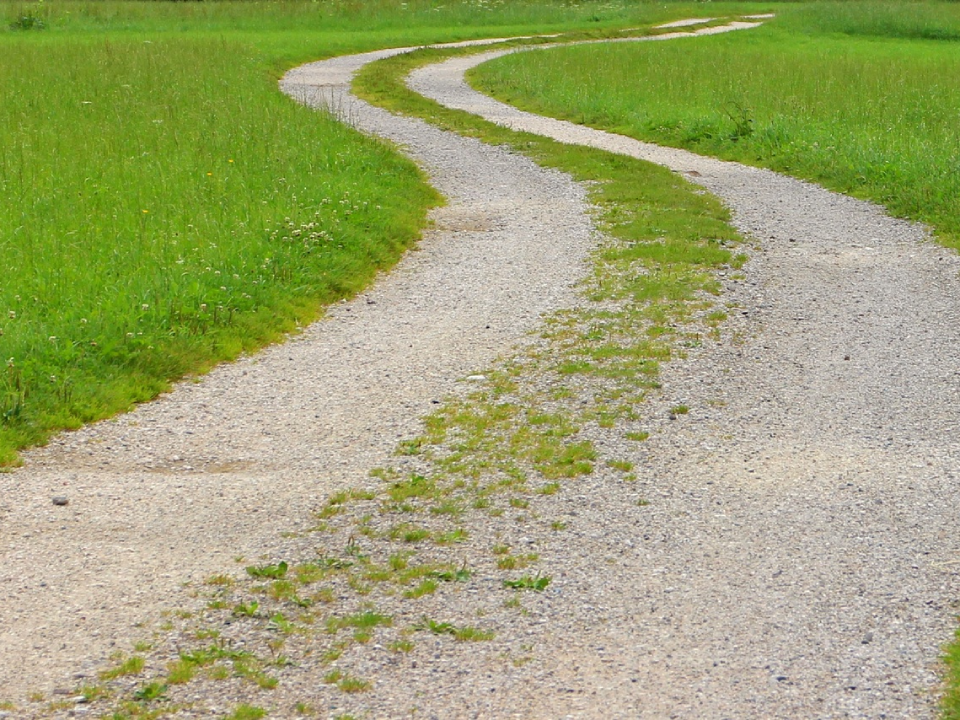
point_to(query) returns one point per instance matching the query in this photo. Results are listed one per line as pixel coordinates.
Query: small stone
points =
(476, 378)
(60, 500)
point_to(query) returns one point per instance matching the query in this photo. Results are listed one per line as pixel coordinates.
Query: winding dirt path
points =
(799, 557)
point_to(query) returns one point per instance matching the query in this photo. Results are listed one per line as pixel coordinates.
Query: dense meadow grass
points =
(861, 96)
(163, 207)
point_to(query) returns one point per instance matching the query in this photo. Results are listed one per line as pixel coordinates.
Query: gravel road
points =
(798, 556)
(802, 557)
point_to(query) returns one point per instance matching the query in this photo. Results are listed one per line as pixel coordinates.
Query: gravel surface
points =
(219, 468)
(797, 558)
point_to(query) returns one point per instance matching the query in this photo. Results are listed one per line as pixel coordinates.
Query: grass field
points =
(163, 207)
(859, 96)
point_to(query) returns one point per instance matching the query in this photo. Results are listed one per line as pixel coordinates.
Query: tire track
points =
(802, 560)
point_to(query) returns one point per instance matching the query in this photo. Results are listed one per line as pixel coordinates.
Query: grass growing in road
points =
(858, 96)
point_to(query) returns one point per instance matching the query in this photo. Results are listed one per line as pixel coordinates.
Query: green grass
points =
(857, 96)
(163, 208)
(291, 31)
(247, 712)
(131, 666)
(950, 703)
(922, 20)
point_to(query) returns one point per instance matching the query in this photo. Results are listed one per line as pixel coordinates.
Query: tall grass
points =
(821, 96)
(291, 31)
(920, 20)
(331, 15)
(162, 207)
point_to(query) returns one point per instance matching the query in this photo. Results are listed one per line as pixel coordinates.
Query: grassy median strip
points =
(389, 565)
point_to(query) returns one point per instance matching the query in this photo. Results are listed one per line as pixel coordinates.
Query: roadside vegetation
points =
(855, 95)
(163, 207)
